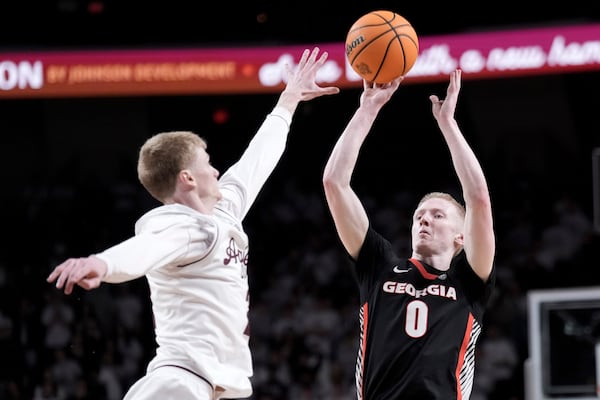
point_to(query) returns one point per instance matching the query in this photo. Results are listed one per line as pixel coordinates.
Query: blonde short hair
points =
(162, 157)
(445, 196)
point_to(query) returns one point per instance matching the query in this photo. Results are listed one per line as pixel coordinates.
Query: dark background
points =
(67, 23)
(68, 165)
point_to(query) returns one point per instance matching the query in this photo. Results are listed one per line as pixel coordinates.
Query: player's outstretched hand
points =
(302, 80)
(378, 94)
(86, 272)
(444, 109)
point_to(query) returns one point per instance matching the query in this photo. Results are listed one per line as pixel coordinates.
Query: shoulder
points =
(172, 216)
(376, 251)
(463, 271)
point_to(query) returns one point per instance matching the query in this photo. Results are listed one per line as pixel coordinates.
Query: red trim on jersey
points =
(422, 269)
(461, 355)
(363, 346)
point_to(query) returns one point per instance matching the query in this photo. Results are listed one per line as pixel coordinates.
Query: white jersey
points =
(195, 265)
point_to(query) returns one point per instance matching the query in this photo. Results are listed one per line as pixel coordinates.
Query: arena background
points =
(68, 171)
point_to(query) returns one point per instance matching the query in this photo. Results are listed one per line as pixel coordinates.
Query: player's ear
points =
(185, 177)
(459, 239)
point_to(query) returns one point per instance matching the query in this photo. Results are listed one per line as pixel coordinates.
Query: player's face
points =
(205, 175)
(436, 224)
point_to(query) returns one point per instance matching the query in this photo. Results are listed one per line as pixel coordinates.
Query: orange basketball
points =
(381, 46)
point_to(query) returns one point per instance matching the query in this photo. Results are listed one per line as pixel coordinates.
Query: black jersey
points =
(418, 325)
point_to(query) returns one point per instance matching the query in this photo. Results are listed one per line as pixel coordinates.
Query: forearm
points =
(136, 256)
(348, 213)
(345, 153)
(465, 162)
(263, 152)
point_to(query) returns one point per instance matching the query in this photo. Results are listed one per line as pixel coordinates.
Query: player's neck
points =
(441, 262)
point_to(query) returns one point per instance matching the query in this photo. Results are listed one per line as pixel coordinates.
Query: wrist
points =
(282, 112)
(288, 101)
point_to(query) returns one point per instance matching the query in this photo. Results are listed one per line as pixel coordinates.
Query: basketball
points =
(381, 46)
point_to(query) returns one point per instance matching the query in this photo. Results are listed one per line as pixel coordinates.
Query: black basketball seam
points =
(383, 18)
(399, 37)
(367, 26)
(385, 22)
(367, 43)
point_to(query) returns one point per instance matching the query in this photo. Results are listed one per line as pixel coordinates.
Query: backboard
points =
(564, 344)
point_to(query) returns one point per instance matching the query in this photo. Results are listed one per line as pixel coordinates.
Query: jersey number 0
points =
(416, 318)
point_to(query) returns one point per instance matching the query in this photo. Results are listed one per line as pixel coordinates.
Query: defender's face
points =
(205, 175)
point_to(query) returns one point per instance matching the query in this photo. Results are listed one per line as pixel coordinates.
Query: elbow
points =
(328, 177)
(332, 184)
(328, 183)
(331, 180)
(479, 197)
(480, 204)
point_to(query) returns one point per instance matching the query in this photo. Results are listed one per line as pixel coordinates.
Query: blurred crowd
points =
(304, 302)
